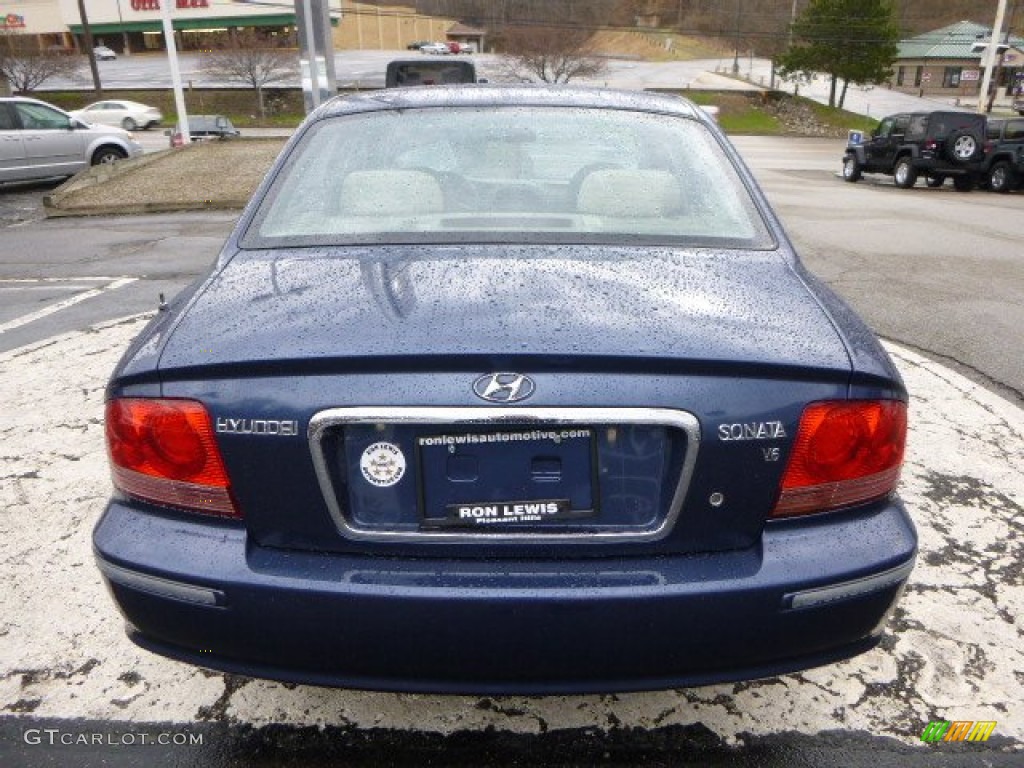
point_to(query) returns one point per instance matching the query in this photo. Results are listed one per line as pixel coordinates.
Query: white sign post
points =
(172, 58)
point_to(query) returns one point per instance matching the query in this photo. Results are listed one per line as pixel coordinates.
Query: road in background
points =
(365, 69)
(934, 269)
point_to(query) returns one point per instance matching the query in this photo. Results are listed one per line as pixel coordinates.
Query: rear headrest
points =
(390, 193)
(629, 194)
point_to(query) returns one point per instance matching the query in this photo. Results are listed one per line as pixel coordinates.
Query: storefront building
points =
(949, 62)
(132, 26)
(39, 21)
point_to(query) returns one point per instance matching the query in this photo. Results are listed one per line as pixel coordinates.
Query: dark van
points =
(404, 72)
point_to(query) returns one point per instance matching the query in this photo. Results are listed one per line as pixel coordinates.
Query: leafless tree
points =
(253, 59)
(25, 67)
(551, 54)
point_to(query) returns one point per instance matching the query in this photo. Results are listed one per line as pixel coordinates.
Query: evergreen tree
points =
(851, 41)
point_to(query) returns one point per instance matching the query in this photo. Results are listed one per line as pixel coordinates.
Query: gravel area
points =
(204, 175)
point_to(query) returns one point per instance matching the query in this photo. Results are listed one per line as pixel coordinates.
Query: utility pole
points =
(87, 34)
(736, 41)
(990, 58)
(990, 100)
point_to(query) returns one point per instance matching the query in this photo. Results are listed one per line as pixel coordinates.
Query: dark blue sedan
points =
(501, 390)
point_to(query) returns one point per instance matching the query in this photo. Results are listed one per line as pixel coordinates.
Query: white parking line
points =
(25, 280)
(69, 302)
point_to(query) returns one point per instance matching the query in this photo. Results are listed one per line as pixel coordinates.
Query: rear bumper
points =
(812, 593)
(940, 167)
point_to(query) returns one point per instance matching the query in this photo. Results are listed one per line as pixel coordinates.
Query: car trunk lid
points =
(342, 387)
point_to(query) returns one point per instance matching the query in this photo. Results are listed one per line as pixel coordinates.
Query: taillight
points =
(846, 452)
(164, 451)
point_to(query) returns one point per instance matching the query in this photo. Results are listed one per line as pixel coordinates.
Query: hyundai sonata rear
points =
(506, 390)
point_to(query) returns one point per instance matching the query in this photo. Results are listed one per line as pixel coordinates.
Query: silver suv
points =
(38, 141)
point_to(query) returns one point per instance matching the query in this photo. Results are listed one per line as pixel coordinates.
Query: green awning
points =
(269, 20)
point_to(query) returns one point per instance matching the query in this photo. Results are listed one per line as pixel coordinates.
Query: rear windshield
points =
(406, 73)
(941, 124)
(508, 174)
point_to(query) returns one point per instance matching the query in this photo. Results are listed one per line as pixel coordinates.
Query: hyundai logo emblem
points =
(504, 387)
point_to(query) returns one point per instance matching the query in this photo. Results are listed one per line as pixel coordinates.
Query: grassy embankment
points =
(739, 113)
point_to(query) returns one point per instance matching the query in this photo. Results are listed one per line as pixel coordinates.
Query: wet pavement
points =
(23, 202)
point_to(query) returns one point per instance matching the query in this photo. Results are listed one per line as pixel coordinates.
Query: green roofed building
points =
(949, 62)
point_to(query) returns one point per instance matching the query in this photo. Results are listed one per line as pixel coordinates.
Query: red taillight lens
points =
(845, 453)
(164, 451)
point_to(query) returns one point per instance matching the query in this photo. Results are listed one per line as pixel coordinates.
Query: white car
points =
(129, 115)
(436, 48)
(39, 141)
(102, 53)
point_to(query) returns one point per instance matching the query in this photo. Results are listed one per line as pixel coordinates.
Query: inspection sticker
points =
(382, 464)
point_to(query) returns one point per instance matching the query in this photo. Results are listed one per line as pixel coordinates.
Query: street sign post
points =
(316, 50)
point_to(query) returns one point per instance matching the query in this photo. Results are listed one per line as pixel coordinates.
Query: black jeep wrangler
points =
(1004, 154)
(932, 144)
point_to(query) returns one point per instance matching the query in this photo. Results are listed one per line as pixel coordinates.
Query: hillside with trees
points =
(761, 26)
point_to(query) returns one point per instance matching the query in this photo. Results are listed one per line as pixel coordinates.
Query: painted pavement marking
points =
(65, 303)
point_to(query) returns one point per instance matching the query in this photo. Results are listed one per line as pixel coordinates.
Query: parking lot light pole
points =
(172, 58)
(309, 52)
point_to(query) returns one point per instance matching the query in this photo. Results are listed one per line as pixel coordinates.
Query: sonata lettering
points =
(753, 430)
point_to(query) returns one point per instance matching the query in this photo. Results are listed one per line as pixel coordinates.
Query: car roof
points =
(481, 95)
(929, 112)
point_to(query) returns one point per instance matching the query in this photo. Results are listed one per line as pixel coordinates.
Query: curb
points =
(203, 176)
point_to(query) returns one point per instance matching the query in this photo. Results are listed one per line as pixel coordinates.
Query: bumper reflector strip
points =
(811, 598)
(155, 585)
